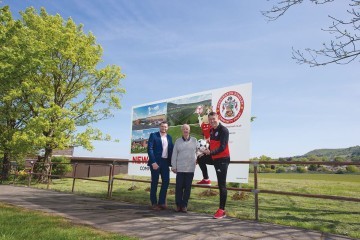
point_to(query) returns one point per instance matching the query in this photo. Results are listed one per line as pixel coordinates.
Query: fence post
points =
(16, 173)
(30, 173)
(256, 191)
(49, 176)
(74, 177)
(110, 180)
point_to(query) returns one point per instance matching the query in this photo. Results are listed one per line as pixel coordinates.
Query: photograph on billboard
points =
(149, 116)
(189, 110)
(139, 139)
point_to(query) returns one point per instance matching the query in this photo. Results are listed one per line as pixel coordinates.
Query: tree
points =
(352, 169)
(313, 167)
(15, 63)
(339, 159)
(301, 169)
(343, 49)
(67, 90)
(280, 170)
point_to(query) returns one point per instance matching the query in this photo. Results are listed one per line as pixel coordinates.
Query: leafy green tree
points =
(339, 159)
(65, 88)
(313, 167)
(16, 60)
(324, 158)
(301, 159)
(355, 158)
(352, 169)
(280, 170)
(313, 158)
(301, 169)
(264, 158)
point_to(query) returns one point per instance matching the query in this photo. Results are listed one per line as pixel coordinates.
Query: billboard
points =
(233, 105)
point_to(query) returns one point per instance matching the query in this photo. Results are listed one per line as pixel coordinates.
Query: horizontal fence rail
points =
(255, 190)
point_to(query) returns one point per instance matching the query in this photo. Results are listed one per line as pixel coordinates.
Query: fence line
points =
(255, 190)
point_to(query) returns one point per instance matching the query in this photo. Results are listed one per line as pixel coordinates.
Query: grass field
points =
(339, 217)
(18, 223)
(178, 114)
(175, 132)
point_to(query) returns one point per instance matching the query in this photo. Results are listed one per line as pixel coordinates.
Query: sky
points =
(173, 48)
(149, 110)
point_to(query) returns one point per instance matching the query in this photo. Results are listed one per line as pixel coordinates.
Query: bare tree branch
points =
(342, 49)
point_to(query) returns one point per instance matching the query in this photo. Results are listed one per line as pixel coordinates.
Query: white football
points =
(202, 145)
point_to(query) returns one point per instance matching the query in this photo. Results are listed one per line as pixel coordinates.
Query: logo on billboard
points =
(230, 107)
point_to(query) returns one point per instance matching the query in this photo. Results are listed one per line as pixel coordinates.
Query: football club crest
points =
(230, 107)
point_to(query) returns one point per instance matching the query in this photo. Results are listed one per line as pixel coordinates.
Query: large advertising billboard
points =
(233, 105)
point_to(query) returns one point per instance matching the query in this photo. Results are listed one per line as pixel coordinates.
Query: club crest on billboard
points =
(230, 107)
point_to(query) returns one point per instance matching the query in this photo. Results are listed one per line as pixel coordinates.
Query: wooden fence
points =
(255, 190)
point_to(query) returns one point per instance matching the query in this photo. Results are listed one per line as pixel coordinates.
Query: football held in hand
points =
(202, 145)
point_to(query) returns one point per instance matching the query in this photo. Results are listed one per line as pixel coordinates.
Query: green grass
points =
(175, 132)
(18, 223)
(338, 217)
(347, 185)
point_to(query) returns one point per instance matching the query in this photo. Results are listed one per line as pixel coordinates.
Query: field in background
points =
(337, 217)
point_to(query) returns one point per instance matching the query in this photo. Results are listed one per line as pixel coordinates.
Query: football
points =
(202, 144)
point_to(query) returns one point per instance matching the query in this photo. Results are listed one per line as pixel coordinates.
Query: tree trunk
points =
(5, 166)
(46, 167)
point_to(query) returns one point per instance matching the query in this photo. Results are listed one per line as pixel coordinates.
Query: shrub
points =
(301, 170)
(323, 169)
(267, 170)
(22, 174)
(60, 169)
(352, 169)
(312, 167)
(280, 170)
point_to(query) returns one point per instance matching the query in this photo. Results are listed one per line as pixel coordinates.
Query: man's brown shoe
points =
(178, 209)
(162, 207)
(155, 207)
(184, 209)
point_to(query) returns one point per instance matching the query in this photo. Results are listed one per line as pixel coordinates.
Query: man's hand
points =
(155, 166)
(173, 170)
(206, 151)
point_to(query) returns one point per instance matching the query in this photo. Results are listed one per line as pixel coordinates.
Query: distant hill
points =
(339, 152)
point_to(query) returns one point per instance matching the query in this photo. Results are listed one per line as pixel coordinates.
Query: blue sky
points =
(149, 110)
(142, 134)
(173, 48)
(192, 99)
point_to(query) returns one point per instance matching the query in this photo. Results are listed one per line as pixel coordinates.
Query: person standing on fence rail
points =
(160, 147)
(183, 162)
(219, 156)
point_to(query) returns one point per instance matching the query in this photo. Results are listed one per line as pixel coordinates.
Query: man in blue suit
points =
(160, 147)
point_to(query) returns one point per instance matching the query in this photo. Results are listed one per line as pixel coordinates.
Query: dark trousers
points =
(221, 166)
(183, 188)
(162, 171)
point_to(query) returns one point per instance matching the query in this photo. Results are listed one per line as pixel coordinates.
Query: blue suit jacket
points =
(155, 148)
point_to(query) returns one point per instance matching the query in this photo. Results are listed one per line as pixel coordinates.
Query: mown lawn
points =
(18, 223)
(338, 217)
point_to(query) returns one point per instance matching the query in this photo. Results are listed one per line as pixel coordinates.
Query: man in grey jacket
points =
(183, 162)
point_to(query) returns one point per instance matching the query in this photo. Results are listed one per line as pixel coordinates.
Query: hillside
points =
(339, 152)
